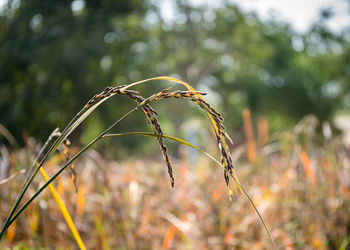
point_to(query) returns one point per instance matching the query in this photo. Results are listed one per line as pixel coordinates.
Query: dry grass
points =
(128, 205)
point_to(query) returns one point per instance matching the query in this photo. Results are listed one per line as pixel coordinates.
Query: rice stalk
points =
(195, 96)
(80, 117)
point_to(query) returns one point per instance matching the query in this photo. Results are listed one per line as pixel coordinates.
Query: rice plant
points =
(144, 105)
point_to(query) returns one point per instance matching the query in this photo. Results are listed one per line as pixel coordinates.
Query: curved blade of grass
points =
(64, 212)
(209, 156)
(76, 121)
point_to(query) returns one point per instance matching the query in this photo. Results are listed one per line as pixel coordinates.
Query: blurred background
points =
(279, 72)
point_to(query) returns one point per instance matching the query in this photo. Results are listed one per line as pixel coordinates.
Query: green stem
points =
(25, 186)
(11, 218)
(51, 180)
(65, 133)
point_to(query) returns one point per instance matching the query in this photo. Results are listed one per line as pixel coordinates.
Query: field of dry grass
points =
(300, 186)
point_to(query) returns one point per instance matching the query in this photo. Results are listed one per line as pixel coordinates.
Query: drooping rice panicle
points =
(221, 134)
(151, 114)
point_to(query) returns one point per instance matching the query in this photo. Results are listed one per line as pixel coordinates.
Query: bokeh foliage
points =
(56, 54)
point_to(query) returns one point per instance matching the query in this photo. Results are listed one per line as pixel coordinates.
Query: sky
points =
(299, 13)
